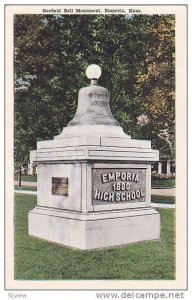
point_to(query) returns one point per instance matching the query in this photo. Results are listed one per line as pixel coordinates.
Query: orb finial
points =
(93, 72)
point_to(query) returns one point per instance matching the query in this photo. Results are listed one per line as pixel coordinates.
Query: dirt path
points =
(163, 192)
(26, 183)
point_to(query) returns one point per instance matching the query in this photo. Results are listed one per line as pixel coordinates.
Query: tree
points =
(155, 83)
(137, 59)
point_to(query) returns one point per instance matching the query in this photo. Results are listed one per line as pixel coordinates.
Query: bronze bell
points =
(93, 104)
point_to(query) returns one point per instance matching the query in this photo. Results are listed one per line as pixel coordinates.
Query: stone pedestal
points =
(94, 192)
(94, 181)
(95, 229)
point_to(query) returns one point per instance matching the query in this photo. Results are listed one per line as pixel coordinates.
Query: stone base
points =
(94, 230)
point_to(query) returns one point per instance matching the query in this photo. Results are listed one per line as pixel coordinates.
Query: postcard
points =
(96, 149)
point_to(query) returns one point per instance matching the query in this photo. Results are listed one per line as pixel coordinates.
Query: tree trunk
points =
(19, 177)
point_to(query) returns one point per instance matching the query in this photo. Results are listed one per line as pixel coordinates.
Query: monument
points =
(94, 181)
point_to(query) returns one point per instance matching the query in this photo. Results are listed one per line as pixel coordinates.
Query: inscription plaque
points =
(60, 186)
(113, 186)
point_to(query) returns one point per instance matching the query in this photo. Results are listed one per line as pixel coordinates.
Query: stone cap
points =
(90, 148)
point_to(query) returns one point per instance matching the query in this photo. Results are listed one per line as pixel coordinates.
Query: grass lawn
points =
(162, 182)
(37, 259)
(26, 178)
(163, 199)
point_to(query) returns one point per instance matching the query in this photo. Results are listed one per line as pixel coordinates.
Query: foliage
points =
(162, 182)
(150, 260)
(162, 175)
(163, 199)
(137, 60)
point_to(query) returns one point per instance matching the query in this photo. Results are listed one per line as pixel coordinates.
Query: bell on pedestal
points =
(93, 103)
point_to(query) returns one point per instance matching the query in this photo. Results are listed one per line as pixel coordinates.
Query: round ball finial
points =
(93, 71)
